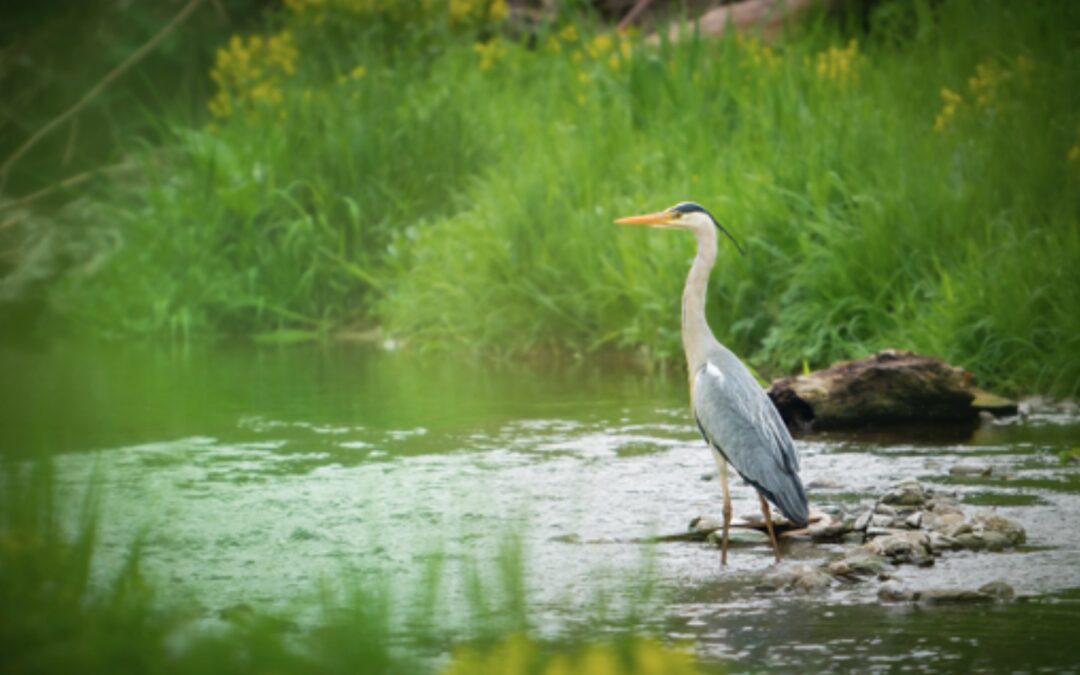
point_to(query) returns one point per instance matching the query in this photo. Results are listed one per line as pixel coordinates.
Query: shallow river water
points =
(253, 475)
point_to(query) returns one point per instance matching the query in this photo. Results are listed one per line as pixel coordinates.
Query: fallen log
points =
(890, 387)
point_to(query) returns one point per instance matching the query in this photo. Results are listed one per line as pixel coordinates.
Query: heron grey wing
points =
(736, 416)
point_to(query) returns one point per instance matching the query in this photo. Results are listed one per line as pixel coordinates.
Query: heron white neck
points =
(696, 334)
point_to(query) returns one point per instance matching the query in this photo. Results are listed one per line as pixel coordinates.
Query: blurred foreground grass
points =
(61, 617)
(910, 183)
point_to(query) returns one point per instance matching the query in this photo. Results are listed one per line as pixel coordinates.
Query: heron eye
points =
(675, 215)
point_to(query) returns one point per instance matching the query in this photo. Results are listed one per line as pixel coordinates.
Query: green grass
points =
(63, 614)
(467, 206)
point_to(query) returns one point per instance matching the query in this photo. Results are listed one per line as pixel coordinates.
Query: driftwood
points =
(890, 387)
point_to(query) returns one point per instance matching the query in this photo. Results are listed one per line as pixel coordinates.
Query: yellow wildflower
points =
(762, 54)
(358, 72)
(490, 52)
(1074, 153)
(569, 33)
(837, 65)
(249, 72)
(600, 45)
(497, 10)
(952, 101)
(984, 83)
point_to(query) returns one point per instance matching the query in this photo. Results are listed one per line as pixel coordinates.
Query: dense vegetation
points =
(908, 181)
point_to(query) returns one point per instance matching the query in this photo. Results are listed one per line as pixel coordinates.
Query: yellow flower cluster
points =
(490, 52)
(984, 84)
(952, 101)
(760, 54)
(1074, 151)
(477, 11)
(249, 72)
(355, 74)
(611, 50)
(837, 65)
(567, 34)
(986, 87)
(518, 655)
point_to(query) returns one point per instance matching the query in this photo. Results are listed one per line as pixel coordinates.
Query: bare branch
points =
(116, 72)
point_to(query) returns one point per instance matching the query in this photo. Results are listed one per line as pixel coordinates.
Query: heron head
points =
(683, 216)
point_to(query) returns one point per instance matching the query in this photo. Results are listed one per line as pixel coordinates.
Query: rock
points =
(853, 537)
(944, 596)
(995, 541)
(801, 578)
(858, 562)
(702, 526)
(828, 529)
(894, 591)
(990, 521)
(971, 541)
(874, 532)
(706, 477)
(888, 387)
(824, 484)
(943, 521)
(957, 529)
(880, 520)
(907, 546)
(914, 520)
(884, 509)
(940, 542)
(971, 470)
(905, 493)
(996, 406)
(997, 589)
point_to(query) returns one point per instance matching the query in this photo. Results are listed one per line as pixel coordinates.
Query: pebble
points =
(881, 520)
(884, 509)
(905, 493)
(941, 542)
(859, 562)
(802, 578)
(894, 591)
(997, 589)
(971, 470)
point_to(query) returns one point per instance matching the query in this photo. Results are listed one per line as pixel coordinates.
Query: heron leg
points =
(769, 527)
(727, 509)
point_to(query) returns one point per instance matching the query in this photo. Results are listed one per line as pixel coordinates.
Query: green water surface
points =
(254, 474)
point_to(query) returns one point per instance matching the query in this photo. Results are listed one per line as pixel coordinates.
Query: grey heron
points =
(733, 413)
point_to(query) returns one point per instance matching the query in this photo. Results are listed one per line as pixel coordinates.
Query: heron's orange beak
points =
(660, 218)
